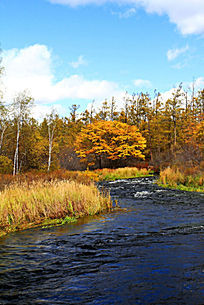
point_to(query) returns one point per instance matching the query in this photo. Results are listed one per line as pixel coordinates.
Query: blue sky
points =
(74, 51)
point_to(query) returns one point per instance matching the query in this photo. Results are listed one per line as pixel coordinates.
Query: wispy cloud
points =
(174, 53)
(80, 62)
(188, 15)
(142, 83)
(126, 14)
(179, 66)
(197, 84)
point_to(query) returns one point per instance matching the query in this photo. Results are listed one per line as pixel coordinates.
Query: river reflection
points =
(150, 254)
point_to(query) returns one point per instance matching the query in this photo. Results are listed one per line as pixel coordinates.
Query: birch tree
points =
(20, 110)
(51, 124)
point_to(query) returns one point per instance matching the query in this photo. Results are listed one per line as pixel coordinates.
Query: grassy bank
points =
(43, 199)
(85, 177)
(183, 179)
(121, 173)
(27, 205)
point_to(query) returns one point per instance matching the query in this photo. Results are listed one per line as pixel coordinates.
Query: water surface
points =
(150, 253)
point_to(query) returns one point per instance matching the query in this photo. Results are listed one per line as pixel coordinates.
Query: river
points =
(150, 252)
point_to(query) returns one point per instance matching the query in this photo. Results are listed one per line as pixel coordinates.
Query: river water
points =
(150, 252)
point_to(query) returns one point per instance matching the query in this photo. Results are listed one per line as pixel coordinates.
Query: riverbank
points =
(85, 177)
(181, 179)
(49, 203)
(121, 173)
(39, 199)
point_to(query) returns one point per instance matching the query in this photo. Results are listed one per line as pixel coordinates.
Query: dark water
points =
(152, 253)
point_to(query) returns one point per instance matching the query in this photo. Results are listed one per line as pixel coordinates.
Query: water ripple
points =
(150, 253)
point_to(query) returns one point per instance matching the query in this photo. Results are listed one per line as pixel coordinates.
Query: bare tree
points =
(51, 124)
(20, 110)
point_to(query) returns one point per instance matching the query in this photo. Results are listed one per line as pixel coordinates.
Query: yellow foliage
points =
(112, 139)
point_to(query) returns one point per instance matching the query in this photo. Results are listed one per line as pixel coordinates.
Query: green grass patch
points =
(174, 178)
(58, 222)
(122, 173)
(183, 187)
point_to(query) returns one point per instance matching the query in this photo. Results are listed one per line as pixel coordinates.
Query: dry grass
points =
(189, 178)
(85, 177)
(26, 204)
(58, 175)
(32, 198)
(121, 173)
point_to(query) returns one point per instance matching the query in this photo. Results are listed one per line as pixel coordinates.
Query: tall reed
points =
(122, 173)
(24, 205)
(186, 179)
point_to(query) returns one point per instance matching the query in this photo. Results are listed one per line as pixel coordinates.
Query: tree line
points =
(169, 130)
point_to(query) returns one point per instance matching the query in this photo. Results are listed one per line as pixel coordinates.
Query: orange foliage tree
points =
(111, 140)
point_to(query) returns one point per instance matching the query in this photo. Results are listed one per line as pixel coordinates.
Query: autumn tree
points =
(175, 109)
(111, 140)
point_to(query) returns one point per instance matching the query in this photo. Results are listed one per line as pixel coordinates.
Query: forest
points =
(161, 132)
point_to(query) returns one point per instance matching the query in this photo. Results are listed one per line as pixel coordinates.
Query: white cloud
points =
(187, 88)
(179, 66)
(164, 96)
(167, 94)
(142, 83)
(126, 14)
(119, 98)
(80, 62)
(31, 68)
(39, 112)
(174, 53)
(188, 15)
(197, 84)
(79, 2)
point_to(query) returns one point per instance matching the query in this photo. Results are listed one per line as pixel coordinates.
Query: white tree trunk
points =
(51, 130)
(15, 161)
(50, 156)
(2, 137)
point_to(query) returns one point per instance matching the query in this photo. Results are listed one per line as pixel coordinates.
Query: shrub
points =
(6, 165)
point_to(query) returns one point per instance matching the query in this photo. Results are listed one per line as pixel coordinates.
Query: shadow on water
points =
(150, 254)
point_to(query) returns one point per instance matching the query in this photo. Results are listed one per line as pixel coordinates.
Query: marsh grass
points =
(122, 173)
(86, 177)
(189, 179)
(24, 205)
(47, 199)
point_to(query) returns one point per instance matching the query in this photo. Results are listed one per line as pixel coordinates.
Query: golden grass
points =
(32, 198)
(22, 205)
(186, 179)
(30, 177)
(121, 173)
(85, 177)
